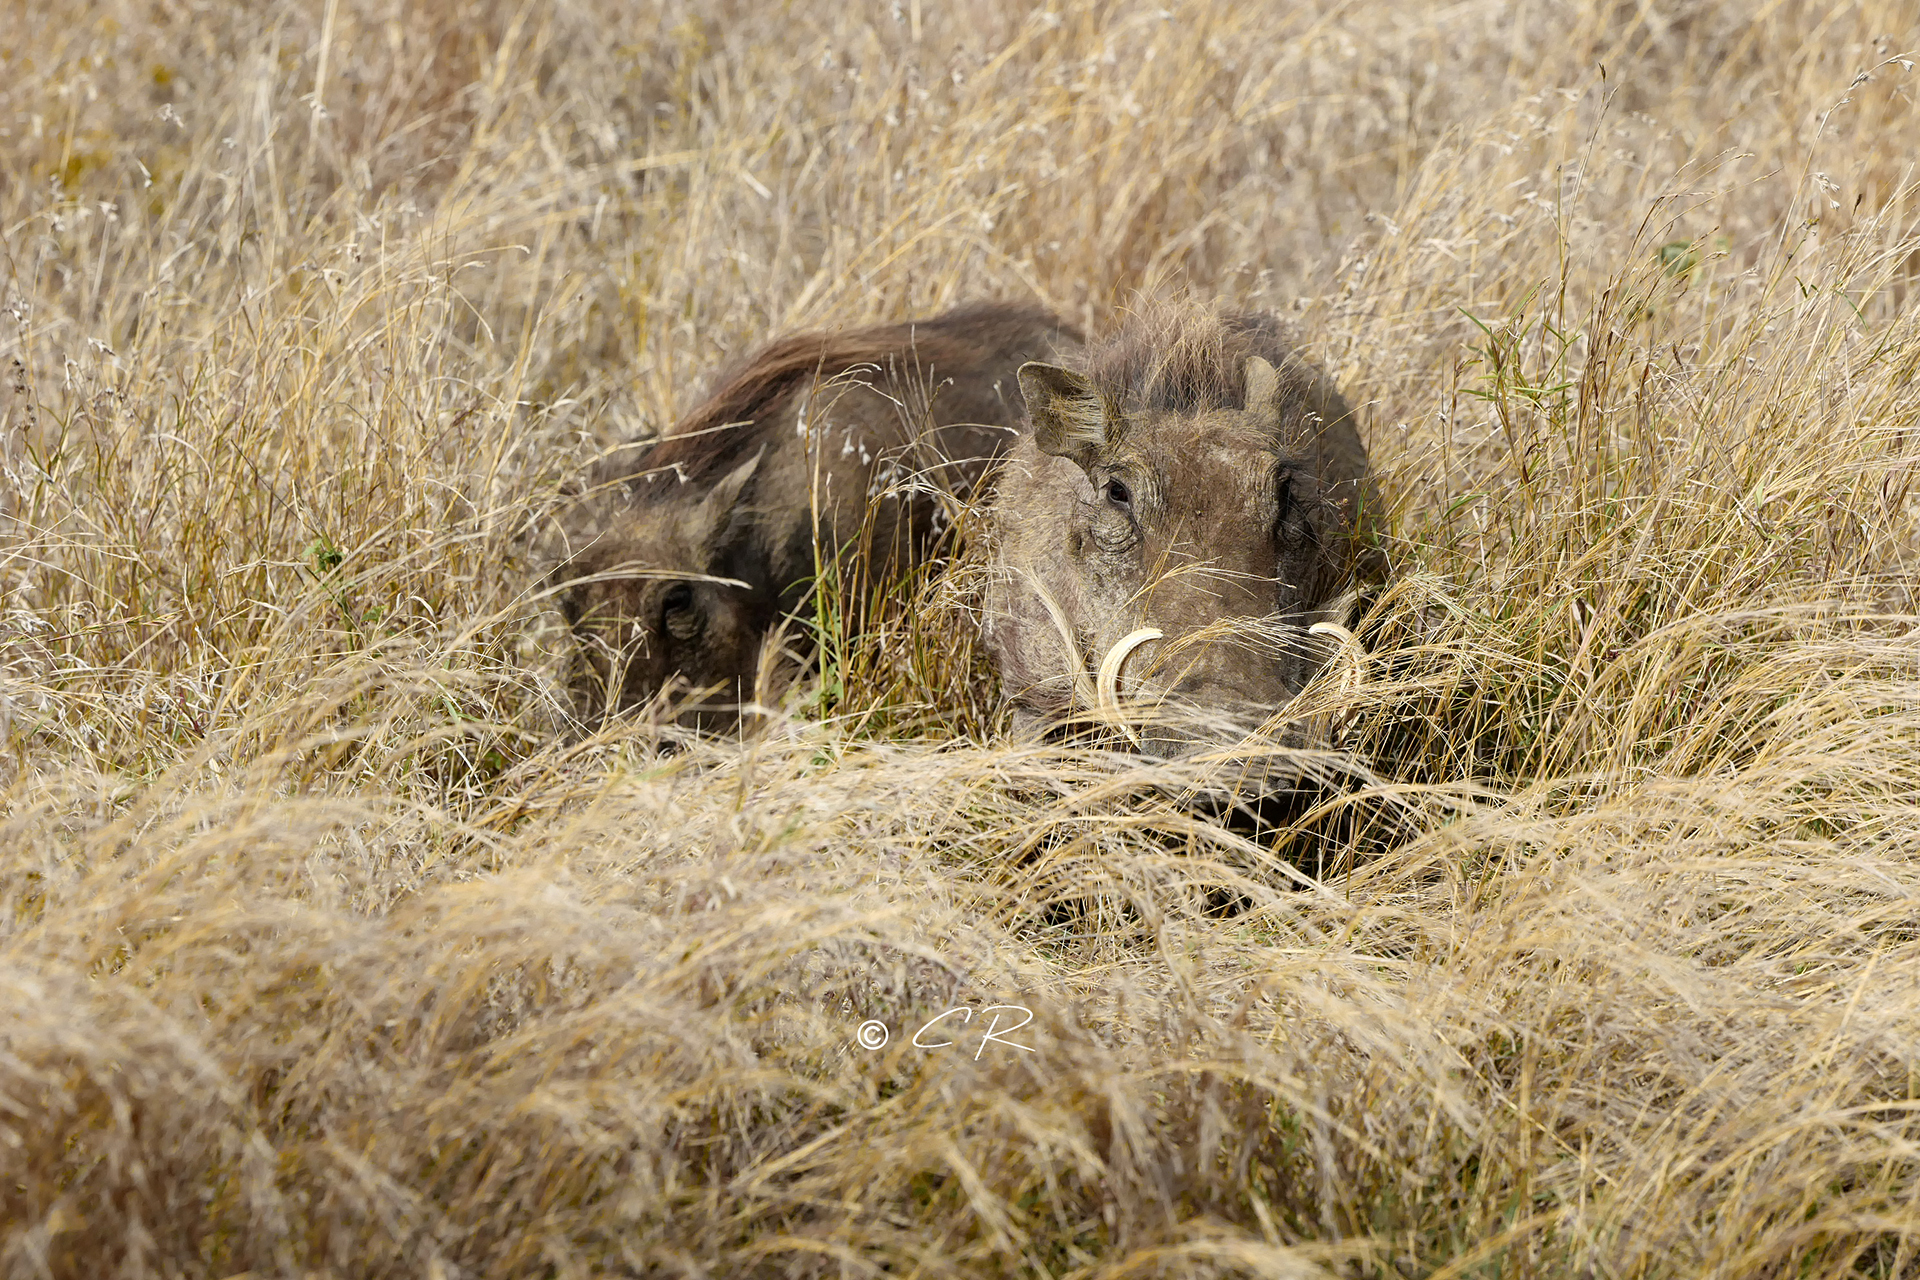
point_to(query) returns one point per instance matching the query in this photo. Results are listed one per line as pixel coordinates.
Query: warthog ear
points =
(1263, 385)
(1070, 418)
(709, 522)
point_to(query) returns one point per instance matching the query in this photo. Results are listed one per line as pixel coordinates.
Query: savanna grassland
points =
(332, 944)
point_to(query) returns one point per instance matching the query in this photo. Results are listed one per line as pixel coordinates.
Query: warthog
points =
(688, 551)
(1189, 501)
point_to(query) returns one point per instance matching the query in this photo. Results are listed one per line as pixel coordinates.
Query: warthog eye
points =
(676, 611)
(1118, 493)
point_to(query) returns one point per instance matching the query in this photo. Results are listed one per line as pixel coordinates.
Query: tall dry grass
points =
(331, 947)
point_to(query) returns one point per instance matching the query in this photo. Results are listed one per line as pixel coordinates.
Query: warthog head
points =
(656, 603)
(1183, 509)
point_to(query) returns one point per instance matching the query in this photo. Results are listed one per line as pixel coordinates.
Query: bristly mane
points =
(751, 396)
(1186, 359)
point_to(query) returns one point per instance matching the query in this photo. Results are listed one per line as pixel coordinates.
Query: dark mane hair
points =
(750, 395)
(1185, 358)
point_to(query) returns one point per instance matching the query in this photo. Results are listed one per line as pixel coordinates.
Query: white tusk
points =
(1356, 674)
(1107, 684)
(1349, 645)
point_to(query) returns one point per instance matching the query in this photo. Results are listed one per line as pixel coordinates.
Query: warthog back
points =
(687, 551)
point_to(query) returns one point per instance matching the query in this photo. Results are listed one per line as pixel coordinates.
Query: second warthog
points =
(687, 551)
(1191, 499)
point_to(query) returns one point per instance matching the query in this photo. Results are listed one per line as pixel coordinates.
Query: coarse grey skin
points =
(1191, 474)
(689, 550)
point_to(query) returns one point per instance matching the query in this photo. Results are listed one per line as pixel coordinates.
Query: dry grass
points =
(326, 951)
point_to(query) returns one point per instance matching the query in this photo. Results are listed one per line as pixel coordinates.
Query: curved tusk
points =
(1107, 684)
(1356, 654)
(1350, 645)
